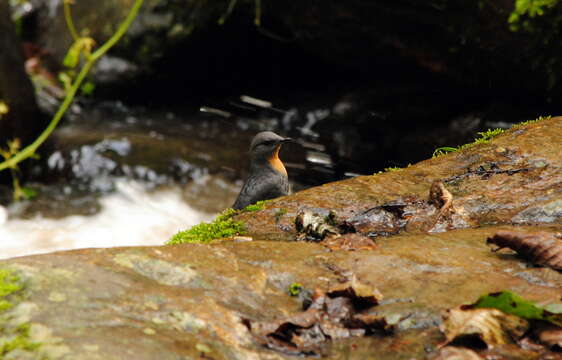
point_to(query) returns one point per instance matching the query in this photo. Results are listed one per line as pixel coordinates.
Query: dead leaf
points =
(456, 353)
(491, 326)
(335, 314)
(439, 195)
(540, 248)
(441, 198)
(362, 293)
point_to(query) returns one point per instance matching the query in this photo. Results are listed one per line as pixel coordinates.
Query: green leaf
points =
(554, 308)
(29, 193)
(73, 55)
(66, 81)
(88, 88)
(514, 304)
(444, 150)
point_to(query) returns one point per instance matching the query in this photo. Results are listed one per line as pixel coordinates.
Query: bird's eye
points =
(268, 143)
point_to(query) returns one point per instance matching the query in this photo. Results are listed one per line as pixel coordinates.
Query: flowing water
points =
(130, 215)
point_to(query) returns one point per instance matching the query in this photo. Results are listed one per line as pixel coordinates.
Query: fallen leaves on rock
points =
(488, 326)
(314, 227)
(335, 314)
(434, 214)
(503, 319)
(514, 304)
(541, 248)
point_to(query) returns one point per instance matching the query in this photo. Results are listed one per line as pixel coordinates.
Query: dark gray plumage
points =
(267, 178)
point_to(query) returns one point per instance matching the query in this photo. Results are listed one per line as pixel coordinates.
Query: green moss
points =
(15, 338)
(9, 284)
(19, 339)
(260, 205)
(391, 169)
(223, 226)
(484, 137)
(540, 118)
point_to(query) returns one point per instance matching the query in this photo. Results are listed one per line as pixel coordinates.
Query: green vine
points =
(68, 19)
(29, 151)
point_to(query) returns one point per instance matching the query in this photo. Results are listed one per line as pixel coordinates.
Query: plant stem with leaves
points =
(30, 150)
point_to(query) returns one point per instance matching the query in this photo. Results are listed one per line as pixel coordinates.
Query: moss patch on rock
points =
(10, 283)
(12, 338)
(260, 205)
(484, 137)
(223, 226)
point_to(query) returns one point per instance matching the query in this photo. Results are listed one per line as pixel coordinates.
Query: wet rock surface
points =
(514, 179)
(190, 301)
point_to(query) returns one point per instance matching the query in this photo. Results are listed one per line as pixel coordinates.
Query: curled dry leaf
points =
(354, 289)
(456, 353)
(439, 195)
(441, 198)
(491, 326)
(335, 314)
(540, 248)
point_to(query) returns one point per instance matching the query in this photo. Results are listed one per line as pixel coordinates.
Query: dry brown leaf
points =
(491, 326)
(358, 291)
(456, 353)
(540, 248)
(441, 198)
(332, 315)
(439, 195)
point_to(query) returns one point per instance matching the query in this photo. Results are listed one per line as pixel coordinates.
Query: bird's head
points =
(266, 145)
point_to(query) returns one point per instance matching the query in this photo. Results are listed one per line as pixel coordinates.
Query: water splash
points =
(129, 216)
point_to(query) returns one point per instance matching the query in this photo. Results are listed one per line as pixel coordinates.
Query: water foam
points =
(130, 216)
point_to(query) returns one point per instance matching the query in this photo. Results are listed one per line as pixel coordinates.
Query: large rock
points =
(190, 301)
(514, 179)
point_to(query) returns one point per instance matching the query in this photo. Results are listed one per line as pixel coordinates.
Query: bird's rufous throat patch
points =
(276, 163)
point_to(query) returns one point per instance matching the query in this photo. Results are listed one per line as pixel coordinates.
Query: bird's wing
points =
(259, 188)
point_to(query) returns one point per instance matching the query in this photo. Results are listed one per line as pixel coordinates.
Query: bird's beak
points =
(286, 140)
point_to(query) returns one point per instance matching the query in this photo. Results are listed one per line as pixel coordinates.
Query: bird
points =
(267, 178)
